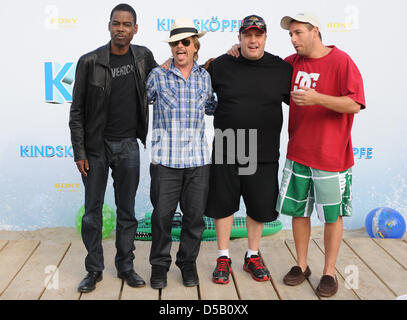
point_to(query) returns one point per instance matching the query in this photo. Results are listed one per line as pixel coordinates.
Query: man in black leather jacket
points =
(109, 112)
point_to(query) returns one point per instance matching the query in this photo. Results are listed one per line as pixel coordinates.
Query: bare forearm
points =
(309, 97)
(338, 104)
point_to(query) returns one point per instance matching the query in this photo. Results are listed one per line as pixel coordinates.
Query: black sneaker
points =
(158, 278)
(189, 274)
(222, 270)
(255, 267)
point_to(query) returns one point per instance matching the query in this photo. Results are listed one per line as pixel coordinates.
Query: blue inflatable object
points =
(385, 223)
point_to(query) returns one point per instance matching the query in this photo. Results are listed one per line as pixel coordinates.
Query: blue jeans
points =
(123, 158)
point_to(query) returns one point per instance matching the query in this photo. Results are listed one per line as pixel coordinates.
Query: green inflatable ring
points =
(239, 229)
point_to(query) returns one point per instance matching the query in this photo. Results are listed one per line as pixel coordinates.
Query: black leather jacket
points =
(88, 115)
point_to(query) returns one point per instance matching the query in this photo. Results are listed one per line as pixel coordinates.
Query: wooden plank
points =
(367, 286)
(206, 263)
(37, 273)
(381, 263)
(279, 261)
(3, 243)
(143, 268)
(248, 288)
(175, 289)
(396, 248)
(70, 272)
(110, 287)
(12, 258)
(316, 261)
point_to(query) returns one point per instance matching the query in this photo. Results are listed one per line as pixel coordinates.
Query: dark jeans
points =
(123, 158)
(170, 186)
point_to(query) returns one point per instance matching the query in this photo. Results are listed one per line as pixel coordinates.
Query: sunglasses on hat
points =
(185, 43)
(253, 21)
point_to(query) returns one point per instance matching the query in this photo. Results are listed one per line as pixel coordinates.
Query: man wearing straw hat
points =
(180, 157)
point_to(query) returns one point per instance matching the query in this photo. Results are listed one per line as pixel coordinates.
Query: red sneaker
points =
(255, 267)
(222, 270)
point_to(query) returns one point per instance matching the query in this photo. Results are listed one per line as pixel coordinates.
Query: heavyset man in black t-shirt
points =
(109, 112)
(250, 91)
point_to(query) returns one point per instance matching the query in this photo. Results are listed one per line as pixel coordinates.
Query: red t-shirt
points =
(318, 137)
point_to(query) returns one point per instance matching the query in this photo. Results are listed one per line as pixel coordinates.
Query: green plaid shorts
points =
(302, 186)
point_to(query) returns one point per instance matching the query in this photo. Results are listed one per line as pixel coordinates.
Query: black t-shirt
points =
(250, 94)
(122, 114)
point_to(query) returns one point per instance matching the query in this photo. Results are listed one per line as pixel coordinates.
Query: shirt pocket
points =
(169, 98)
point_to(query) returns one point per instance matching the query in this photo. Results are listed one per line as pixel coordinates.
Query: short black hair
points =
(124, 7)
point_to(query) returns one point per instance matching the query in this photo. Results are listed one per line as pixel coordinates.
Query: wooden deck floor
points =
(49, 270)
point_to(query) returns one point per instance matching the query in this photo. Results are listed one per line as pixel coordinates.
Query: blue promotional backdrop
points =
(42, 41)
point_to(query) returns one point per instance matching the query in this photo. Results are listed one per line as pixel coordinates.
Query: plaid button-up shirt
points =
(178, 137)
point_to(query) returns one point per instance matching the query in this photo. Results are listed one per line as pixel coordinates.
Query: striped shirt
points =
(179, 105)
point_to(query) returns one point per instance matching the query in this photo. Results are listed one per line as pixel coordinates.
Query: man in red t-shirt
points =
(327, 90)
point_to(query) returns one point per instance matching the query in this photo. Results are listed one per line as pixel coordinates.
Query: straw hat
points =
(183, 28)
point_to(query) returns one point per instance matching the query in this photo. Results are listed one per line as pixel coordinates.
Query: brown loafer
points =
(296, 276)
(328, 286)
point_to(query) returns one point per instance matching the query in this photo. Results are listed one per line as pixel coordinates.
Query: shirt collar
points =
(177, 72)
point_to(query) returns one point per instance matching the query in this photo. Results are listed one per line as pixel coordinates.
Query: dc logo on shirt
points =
(304, 79)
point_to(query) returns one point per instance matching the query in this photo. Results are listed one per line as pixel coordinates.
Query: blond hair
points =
(197, 45)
